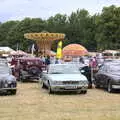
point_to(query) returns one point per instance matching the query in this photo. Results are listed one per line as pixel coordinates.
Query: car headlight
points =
(6, 84)
(9, 82)
(83, 82)
(56, 82)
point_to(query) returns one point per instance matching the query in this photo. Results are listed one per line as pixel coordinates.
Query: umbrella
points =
(74, 50)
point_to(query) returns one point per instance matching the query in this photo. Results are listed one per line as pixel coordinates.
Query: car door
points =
(45, 79)
(106, 76)
(101, 75)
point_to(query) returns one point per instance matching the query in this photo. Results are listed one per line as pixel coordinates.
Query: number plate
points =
(70, 87)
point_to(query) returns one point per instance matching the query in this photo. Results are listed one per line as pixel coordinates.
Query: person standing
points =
(47, 62)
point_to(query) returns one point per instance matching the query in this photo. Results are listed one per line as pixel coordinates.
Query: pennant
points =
(59, 50)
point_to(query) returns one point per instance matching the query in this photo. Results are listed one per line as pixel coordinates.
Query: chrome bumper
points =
(116, 86)
(69, 88)
(1, 89)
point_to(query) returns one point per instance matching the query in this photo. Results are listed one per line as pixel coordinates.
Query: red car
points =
(28, 68)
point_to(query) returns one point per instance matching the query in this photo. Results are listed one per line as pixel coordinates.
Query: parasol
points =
(74, 50)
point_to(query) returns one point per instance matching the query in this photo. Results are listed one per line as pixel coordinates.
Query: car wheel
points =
(43, 85)
(96, 84)
(13, 92)
(49, 89)
(109, 88)
(84, 92)
(21, 78)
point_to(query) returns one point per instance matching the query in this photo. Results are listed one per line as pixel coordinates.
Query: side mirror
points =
(82, 71)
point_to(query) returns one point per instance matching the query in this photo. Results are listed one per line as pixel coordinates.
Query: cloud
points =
(18, 9)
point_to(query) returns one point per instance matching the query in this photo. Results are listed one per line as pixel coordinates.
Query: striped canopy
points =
(74, 50)
(44, 40)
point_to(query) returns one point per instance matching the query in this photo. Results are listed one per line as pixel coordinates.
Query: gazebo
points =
(44, 40)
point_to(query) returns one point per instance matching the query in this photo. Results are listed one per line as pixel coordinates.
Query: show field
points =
(34, 103)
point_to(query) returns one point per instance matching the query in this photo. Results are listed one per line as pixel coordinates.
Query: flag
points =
(33, 49)
(59, 50)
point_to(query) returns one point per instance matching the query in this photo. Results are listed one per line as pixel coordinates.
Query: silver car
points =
(7, 80)
(64, 77)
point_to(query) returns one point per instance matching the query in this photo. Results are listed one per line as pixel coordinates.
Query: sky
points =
(19, 9)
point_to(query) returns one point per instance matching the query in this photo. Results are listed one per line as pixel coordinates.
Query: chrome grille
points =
(2, 84)
(70, 82)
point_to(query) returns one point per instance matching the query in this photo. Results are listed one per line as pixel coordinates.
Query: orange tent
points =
(74, 50)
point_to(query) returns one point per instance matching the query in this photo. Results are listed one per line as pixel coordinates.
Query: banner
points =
(59, 50)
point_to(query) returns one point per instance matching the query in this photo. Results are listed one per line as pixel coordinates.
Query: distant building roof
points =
(110, 51)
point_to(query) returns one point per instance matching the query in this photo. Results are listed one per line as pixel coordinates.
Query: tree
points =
(108, 31)
(4, 30)
(16, 34)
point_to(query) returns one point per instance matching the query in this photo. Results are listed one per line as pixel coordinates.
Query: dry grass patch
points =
(34, 103)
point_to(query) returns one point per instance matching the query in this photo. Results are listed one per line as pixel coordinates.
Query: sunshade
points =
(74, 50)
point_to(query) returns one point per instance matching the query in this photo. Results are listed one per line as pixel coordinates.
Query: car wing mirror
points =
(82, 71)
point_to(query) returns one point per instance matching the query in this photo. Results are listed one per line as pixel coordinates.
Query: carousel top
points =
(44, 36)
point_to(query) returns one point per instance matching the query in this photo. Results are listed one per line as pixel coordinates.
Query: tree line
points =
(96, 32)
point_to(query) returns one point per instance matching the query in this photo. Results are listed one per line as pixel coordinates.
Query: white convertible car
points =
(64, 77)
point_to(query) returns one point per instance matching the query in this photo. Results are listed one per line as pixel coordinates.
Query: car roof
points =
(112, 63)
(28, 58)
(63, 64)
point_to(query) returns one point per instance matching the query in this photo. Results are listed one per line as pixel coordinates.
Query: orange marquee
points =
(74, 50)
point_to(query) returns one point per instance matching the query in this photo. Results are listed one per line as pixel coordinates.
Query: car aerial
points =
(27, 68)
(64, 77)
(8, 82)
(108, 76)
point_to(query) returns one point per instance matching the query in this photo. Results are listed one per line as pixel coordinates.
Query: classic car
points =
(7, 80)
(108, 76)
(64, 77)
(27, 68)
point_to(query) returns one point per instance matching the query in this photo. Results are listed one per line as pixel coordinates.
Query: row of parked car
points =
(59, 77)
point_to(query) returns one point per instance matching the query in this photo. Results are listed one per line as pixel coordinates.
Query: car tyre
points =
(84, 92)
(43, 85)
(97, 86)
(13, 92)
(49, 90)
(109, 88)
(21, 78)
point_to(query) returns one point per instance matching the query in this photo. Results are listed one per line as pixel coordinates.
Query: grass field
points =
(34, 103)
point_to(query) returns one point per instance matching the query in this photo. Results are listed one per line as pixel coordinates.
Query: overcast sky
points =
(19, 9)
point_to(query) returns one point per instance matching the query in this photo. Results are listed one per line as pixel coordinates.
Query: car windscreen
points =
(4, 70)
(3, 63)
(115, 68)
(63, 69)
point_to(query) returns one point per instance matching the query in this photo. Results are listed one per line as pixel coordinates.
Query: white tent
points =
(6, 49)
(19, 53)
